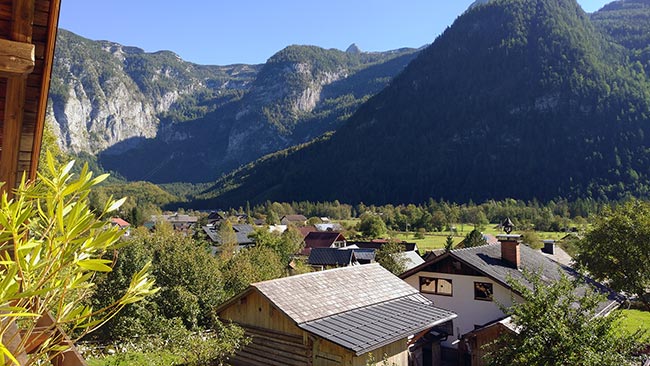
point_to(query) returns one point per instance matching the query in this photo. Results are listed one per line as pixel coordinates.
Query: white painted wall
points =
(470, 311)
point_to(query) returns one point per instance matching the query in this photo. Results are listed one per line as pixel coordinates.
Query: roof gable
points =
(322, 239)
(120, 222)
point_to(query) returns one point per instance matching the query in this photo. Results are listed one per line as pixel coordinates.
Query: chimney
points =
(549, 247)
(510, 249)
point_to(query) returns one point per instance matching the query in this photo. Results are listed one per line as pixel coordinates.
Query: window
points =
(437, 286)
(483, 291)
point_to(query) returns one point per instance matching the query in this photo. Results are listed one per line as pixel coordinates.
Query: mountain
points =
(104, 94)
(626, 21)
(153, 116)
(518, 98)
(298, 94)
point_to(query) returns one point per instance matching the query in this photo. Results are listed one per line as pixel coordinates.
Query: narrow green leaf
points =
(117, 204)
(98, 265)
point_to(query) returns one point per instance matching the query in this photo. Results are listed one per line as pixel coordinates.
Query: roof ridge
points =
(478, 246)
(309, 274)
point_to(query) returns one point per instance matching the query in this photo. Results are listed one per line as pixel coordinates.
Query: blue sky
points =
(221, 32)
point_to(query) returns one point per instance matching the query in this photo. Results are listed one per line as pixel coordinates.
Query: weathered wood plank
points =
(12, 128)
(254, 359)
(22, 20)
(266, 344)
(286, 358)
(286, 337)
(16, 58)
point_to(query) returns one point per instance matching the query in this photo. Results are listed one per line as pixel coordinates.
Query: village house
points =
(322, 239)
(297, 220)
(473, 282)
(216, 217)
(329, 226)
(334, 317)
(179, 222)
(242, 232)
(410, 259)
(122, 224)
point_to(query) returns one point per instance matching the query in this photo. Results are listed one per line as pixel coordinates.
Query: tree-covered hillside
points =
(518, 98)
(628, 23)
(299, 93)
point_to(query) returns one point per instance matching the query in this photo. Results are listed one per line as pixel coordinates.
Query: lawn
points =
(634, 320)
(437, 240)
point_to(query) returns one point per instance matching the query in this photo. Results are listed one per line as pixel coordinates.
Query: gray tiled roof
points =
(319, 294)
(330, 257)
(411, 259)
(487, 259)
(241, 233)
(365, 329)
(360, 308)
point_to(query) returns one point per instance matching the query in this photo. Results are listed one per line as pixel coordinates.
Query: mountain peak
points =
(477, 3)
(353, 49)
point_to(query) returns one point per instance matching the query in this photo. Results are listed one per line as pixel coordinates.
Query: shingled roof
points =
(360, 308)
(242, 231)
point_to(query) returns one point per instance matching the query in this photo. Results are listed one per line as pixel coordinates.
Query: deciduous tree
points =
(559, 324)
(372, 226)
(617, 249)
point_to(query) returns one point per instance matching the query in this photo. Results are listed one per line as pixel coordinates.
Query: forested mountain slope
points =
(154, 116)
(518, 98)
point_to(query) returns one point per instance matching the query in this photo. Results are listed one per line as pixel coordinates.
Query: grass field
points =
(634, 320)
(437, 240)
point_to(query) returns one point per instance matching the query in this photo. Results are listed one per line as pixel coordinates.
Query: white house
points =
(472, 282)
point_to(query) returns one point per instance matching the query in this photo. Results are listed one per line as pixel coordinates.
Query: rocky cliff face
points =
(105, 95)
(187, 122)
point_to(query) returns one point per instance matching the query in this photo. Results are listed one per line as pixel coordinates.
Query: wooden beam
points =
(16, 58)
(22, 20)
(48, 62)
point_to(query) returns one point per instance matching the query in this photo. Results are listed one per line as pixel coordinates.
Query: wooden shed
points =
(331, 318)
(27, 37)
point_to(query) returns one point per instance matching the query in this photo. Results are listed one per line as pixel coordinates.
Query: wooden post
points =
(48, 64)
